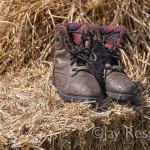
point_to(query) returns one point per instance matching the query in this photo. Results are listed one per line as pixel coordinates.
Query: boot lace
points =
(112, 55)
(80, 54)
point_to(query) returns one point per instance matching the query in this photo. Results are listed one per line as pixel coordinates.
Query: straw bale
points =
(32, 115)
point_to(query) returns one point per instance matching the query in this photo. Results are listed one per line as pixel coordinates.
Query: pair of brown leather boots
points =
(87, 64)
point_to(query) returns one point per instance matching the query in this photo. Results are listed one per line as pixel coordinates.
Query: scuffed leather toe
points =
(84, 85)
(118, 82)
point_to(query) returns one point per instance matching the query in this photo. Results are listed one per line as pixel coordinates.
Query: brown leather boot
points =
(71, 74)
(113, 80)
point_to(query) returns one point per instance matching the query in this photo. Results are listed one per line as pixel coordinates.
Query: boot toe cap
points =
(82, 86)
(121, 84)
(85, 87)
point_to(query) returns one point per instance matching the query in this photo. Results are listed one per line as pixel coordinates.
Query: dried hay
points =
(31, 113)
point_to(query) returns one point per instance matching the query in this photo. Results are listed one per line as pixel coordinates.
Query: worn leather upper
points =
(115, 81)
(81, 83)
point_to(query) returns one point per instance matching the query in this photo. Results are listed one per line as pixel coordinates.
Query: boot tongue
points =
(77, 27)
(116, 37)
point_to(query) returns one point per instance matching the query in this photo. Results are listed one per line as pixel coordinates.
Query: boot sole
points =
(122, 97)
(73, 98)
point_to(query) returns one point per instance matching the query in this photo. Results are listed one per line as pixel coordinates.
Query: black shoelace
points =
(113, 53)
(80, 54)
